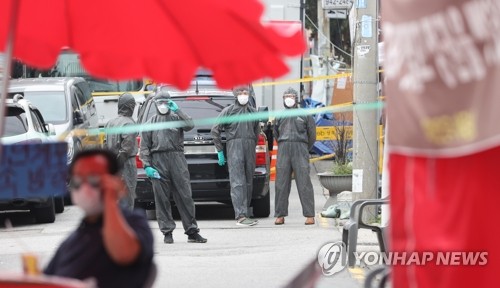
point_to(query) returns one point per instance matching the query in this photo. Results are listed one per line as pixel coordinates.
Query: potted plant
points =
(339, 177)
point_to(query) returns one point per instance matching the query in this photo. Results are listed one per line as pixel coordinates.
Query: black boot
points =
(196, 238)
(168, 239)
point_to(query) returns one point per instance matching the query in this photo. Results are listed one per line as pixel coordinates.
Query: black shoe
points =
(168, 239)
(196, 238)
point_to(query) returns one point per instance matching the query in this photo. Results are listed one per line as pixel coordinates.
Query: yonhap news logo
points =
(440, 258)
(332, 258)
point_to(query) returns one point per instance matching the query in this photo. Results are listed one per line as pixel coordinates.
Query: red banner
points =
(442, 72)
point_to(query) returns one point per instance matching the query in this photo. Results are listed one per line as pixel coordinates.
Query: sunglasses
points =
(76, 182)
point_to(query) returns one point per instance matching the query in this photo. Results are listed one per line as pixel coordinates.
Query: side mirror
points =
(51, 129)
(263, 109)
(77, 117)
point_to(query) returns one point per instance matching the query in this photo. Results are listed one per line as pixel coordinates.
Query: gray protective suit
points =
(295, 136)
(241, 140)
(125, 146)
(164, 151)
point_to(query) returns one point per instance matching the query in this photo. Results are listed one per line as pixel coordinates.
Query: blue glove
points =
(152, 173)
(222, 159)
(173, 106)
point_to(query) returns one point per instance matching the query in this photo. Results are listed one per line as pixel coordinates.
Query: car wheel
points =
(59, 204)
(262, 207)
(45, 214)
(67, 196)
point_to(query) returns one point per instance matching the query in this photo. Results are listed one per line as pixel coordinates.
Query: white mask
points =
(88, 199)
(289, 102)
(243, 99)
(163, 109)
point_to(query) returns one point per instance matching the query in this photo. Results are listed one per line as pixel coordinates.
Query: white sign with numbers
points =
(363, 50)
(337, 4)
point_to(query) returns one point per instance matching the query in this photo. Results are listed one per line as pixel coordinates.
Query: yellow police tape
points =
(273, 169)
(281, 82)
(305, 79)
(316, 159)
(92, 139)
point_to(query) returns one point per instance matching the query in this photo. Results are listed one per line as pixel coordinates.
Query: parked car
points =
(209, 181)
(25, 124)
(67, 103)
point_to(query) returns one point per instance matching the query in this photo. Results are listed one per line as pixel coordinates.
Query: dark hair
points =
(114, 166)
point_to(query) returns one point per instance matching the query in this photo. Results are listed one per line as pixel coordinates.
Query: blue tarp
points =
(323, 119)
(33, 170)
(309, 103)
(326, 147)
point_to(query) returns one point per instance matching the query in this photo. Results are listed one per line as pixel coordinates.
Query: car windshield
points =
(52, 105)
(199, 107)
(15, 122)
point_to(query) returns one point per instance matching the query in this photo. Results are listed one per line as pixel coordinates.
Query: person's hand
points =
(112, 188)
(173, 106)
(222, 159)
(151, 172)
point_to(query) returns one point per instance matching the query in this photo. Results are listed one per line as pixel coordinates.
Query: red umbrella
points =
(165, 40)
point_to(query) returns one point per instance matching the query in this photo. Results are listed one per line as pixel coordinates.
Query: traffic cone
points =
(274, 157)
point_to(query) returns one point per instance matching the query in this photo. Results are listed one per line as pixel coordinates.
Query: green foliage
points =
(341, 163)
(342, 169)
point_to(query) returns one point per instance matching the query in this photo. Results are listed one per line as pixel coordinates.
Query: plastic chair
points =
(355, 222)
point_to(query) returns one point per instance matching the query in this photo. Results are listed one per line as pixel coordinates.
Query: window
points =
(74, 103)
(84, 89)
(79, 95)
(16, 122)
(52, 105)
(199, 108)
(203, 109)
(36, 123)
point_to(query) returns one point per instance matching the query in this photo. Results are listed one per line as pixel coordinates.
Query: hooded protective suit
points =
(241, 140)
(125, 145)
(295, 136)
(164, 151)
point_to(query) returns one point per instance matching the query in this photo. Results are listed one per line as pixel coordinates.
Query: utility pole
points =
(324, 47)
(324, 32)
(365, 74)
